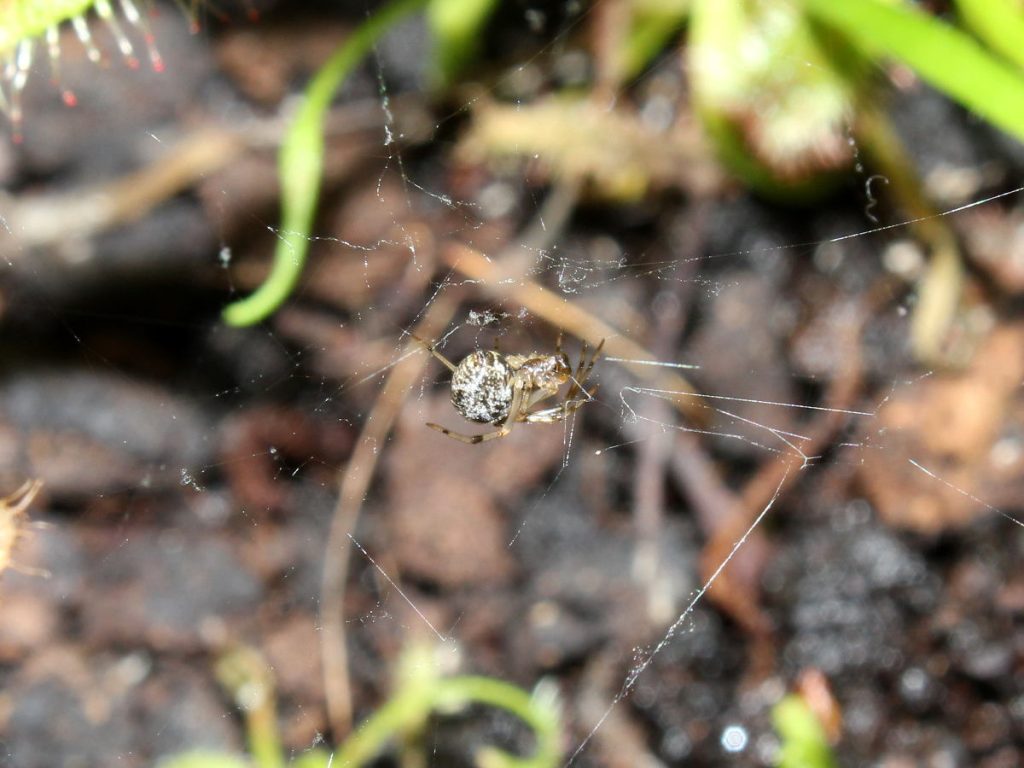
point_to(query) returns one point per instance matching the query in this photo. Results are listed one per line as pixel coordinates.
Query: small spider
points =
(492, 388)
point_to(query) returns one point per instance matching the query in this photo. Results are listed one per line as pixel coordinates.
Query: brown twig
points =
(654, 435)
(736, 592)
(355, 479)
(46, 219)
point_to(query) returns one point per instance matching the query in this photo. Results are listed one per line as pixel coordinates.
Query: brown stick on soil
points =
(355, 478)
(736, 591)
(355, 481)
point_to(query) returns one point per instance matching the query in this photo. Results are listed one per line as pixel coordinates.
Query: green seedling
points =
(421, 692)
(804, 743)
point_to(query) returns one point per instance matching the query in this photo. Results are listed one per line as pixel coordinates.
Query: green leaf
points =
(943, 56)
(457, 29)
(300, 165)
(998, 23)
(773, 97)
(804, 744)
(653, 24)
(31, 18)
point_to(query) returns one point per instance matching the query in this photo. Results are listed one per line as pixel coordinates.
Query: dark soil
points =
(191, 470)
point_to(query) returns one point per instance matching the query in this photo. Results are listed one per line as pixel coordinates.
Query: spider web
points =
(697, 294)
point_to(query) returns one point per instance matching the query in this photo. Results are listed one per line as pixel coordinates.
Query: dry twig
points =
(355, 478)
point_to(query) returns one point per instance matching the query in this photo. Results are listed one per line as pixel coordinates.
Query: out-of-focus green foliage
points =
(300, 166)
(457, 29)
(945, 57)
(804, 744)
(26, 19)
(997, 23)
(652, 24)
(420, 693)
(775, 101)
(777, 82)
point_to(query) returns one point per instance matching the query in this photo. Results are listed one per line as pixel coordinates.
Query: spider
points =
(492, 388)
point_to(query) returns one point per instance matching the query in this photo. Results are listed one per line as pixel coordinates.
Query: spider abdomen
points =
(482, 387)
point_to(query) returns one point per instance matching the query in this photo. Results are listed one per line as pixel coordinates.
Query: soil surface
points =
(191, 471)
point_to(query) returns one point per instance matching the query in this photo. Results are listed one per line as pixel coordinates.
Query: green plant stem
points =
(543, 720)
(942, 55)
(244, 668)
(407, 713)
(941, 286)
(457, 27)
(804, 743)
(300, 166)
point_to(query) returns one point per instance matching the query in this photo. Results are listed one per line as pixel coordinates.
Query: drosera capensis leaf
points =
(457, 30)
(300, 166)
(29, 19)
(652, 25)
(997, 23)
(774, 98)
(942, 55)
(25, 25)
(422, 690)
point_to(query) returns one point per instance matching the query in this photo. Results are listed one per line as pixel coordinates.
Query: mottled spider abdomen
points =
(482, 387)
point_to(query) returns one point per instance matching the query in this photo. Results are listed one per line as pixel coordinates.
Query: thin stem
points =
(407, 712)
(300, 166)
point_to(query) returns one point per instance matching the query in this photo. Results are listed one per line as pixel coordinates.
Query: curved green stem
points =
(407, 713)
(539, 715)
(300, 165)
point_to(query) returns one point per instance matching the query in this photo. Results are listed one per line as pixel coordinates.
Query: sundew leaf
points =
(653, 24)
(775, 102)
(26, 19)
(456, 27)
(300, 166)
(998, 23)
(942, 55)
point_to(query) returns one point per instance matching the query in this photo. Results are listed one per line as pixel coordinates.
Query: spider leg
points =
(583, 370)
(430, 348)
(18, 502)
(514, 415)
(576, 381)
(472, 439)
(559, 412)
